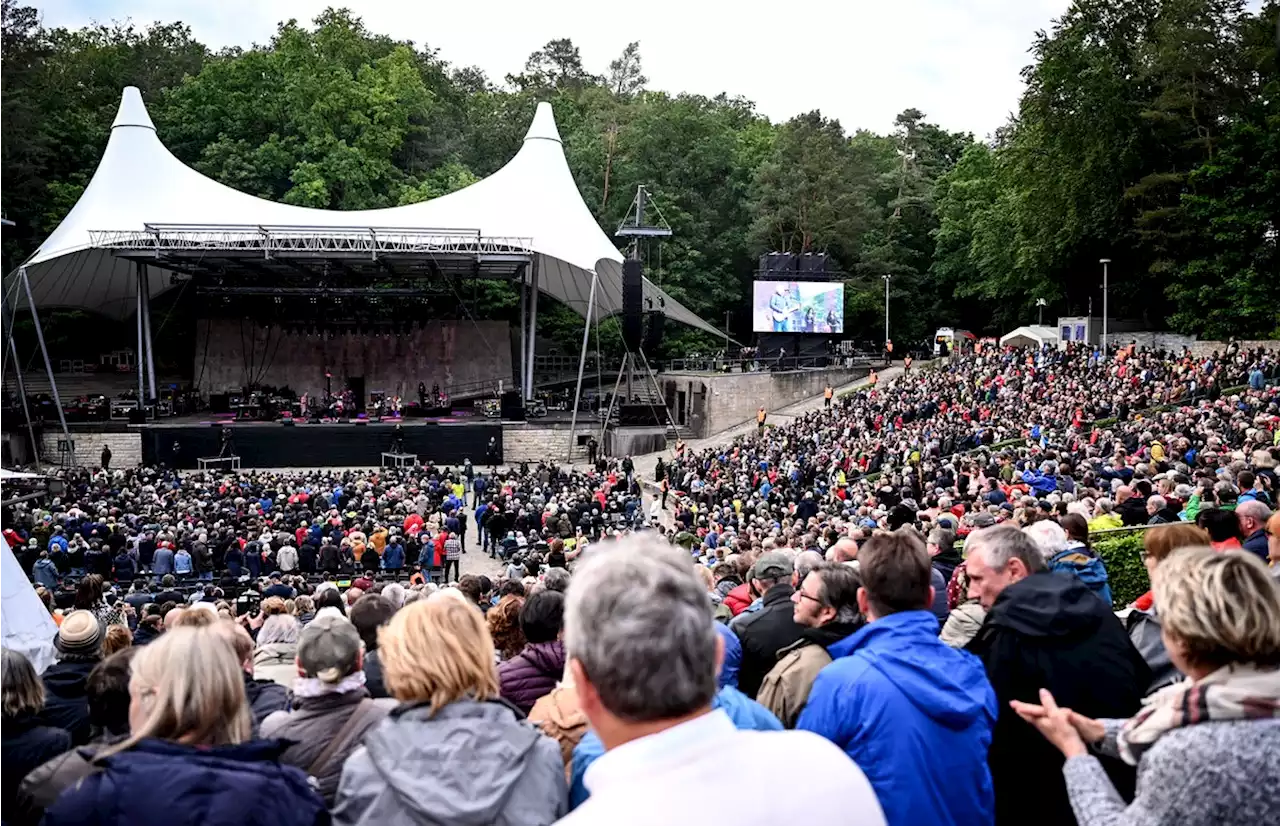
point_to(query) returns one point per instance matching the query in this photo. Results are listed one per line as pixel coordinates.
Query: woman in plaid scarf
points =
(1207, 748)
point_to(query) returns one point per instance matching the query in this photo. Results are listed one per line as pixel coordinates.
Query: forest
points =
(1148, 134)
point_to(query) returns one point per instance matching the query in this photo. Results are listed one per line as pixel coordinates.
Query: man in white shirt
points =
(643, 656)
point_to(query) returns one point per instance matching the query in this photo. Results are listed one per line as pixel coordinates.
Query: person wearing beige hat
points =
(332, 709)
(79, 644)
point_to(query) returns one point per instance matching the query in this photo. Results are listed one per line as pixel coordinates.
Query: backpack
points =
(1085, 567)
(559, 717)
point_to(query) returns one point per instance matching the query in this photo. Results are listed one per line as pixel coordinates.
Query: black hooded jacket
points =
(66, 703)
(1051, 631)
(946, 562)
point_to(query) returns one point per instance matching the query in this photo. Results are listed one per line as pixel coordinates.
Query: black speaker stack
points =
(654, 331)
(511, 407)
(785, 266)
(632, 301)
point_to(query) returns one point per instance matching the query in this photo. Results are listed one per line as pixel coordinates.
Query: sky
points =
(861, 61)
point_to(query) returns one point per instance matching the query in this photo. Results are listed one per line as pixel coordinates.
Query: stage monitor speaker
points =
(653, 333)
(137, 417)
(511, 406)
(287, 422)
(219, 402)
(632, 301)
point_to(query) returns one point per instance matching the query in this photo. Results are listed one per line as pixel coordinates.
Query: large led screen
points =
(798, 307)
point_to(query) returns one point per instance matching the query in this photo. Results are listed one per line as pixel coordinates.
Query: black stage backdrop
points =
(320, 445)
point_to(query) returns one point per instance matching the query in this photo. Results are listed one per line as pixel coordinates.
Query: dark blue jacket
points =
(124, 568)
(393, 556)
(162, 562)
(66, 703)
(915, 715)
(234, 560)
(1085, 565)
(1256, 544)
(28, 743)
(159, 783)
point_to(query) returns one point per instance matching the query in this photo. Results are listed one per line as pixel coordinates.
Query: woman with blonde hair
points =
(188, 759)
(1207, 749)
(273, 659)
(451, 728)
(1143, 622)
(304, 608)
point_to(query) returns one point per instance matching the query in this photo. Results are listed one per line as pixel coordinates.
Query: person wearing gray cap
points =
(66, 704)
(770, 629)
(332, 710)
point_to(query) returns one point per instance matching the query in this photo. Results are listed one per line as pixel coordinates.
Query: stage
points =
(443, 440)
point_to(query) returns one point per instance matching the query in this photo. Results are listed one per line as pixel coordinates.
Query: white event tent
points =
(139, 184)
(1032, 335)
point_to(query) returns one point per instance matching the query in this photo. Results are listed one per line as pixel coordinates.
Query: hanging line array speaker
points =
(632, 301)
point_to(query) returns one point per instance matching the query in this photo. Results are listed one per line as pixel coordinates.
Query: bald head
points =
(1253, 516)
(846, 550)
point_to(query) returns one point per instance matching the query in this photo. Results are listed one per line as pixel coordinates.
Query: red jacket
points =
(739, 599)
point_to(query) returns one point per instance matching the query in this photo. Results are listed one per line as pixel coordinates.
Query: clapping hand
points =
(1062, 727)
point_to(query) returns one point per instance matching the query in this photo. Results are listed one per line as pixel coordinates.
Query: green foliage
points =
(1147, 134)
(1121, 552)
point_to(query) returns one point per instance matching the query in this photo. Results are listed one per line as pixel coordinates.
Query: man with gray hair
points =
(1159, 511)
(1045, 631)
(643, 657)
(825, 603)
(1253, 515)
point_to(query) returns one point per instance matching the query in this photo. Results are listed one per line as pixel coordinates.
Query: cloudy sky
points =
(862, 61)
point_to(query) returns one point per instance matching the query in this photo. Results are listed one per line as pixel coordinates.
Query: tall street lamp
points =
(1040, 304)
(1104, 262)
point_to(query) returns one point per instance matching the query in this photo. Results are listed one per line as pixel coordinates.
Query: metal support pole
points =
(626, 362)
(22, 385)
(524, 318)
(146, 332)
(727, 313)
(140, 356)
(1104, 262)
(886, 310)
(671, 421)
(582, 363)
(533, 329)
(44, 351)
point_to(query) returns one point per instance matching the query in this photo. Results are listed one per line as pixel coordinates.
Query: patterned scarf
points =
(1233, 692)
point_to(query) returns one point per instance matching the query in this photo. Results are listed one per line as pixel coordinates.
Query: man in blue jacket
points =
(916, 716)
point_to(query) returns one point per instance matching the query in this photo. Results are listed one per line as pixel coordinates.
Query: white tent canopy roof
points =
(26, 625)
(1032, 335)
(139, 182)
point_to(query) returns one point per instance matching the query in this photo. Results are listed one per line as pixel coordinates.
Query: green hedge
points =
(1121, 552)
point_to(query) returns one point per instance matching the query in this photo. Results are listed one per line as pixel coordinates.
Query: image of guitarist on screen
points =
(781, 308)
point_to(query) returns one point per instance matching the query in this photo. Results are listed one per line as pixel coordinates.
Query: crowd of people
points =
(887, 610)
